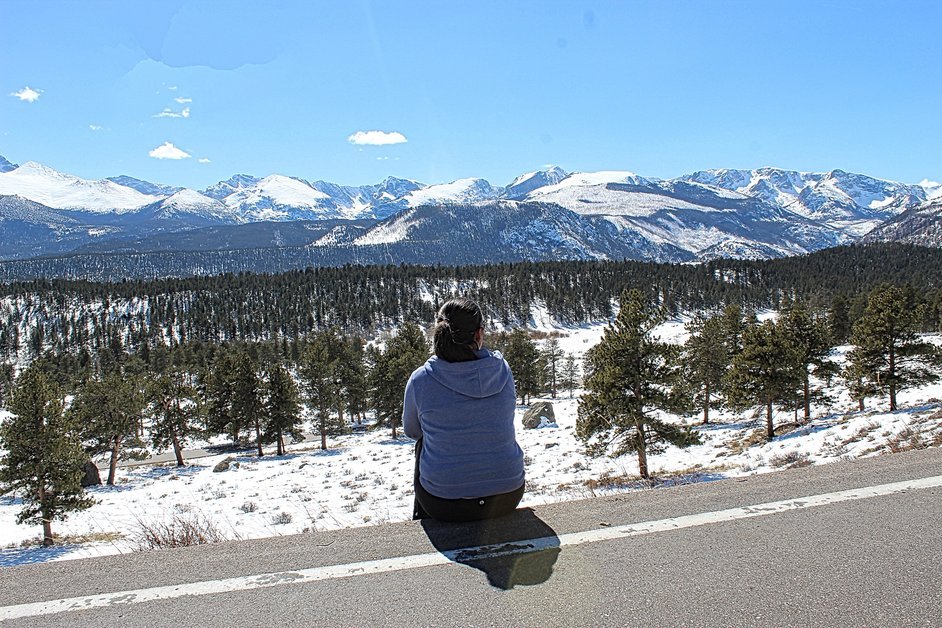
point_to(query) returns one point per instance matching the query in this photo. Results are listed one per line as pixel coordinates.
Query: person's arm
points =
(410, 413)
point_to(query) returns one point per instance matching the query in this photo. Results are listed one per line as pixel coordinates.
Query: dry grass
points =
(755, 437)
(790, 460)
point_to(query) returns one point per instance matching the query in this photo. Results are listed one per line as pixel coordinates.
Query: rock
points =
(223, 465)
(92, 477)
(539, 414)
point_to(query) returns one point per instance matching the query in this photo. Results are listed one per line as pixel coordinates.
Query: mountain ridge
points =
(766, 212)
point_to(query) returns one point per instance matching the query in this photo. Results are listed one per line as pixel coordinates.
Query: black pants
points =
(429, 506)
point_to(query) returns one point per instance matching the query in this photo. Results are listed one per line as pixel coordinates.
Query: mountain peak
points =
(6, 165)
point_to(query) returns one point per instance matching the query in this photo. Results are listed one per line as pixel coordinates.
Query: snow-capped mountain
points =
(501, 230)
(6, 166)
(694, 217)
(61, 191)
(281, 198)
(145, 187)
(851, 202)
(457, 192)
(189, 209)
(526, 183)
(933, 189)
(233, 184)
(766, 212)
(920, 225)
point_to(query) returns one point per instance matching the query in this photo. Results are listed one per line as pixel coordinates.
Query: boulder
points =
(539, 414)
(223, 465)
(92, 477)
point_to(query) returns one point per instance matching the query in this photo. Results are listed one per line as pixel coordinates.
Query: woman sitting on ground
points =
(459, 406)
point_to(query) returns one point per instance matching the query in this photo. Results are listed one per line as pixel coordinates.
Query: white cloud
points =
(95, 127)
(203, 160)
(170, 113)
(168, 151)
(172, 88)
(182, 100)
(377, 138)
(28, 94)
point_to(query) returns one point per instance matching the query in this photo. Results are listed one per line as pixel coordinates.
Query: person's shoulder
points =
(422, 371)
(496, 355)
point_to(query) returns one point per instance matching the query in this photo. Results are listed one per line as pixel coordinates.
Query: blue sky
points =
(462, 89)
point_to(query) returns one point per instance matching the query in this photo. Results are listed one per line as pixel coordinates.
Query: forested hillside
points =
(70, 316)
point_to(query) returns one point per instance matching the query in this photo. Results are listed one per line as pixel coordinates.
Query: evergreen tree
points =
(247, 402)
(838, 321)
(887, 352)
(282, 408)
(570, 374)
(526, 363)
(405, 352)
(856, 377)
(109, 411)
(217, 388)
(356, 383)
(765, 372)
(630, 378)
(172, 409)
(551, 356)
(42, 457)
(811, 340)
(706, 358)
(319, 373)
(7, 379)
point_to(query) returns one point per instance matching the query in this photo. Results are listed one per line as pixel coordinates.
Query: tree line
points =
(82, 317)
(732, 360)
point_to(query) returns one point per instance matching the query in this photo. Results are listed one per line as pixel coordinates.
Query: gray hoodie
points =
(464, 412)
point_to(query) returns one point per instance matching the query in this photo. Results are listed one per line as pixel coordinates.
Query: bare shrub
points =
(282, 518)
(609, 481)
(182, 530)
(753, 438)
(906, 440)
(249, 506)
(789, 460)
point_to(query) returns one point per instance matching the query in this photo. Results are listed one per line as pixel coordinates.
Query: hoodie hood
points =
(484, 377)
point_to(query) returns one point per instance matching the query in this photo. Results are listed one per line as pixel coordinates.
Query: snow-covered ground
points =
(365, 477)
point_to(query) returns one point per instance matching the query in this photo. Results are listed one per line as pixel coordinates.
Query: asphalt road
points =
(814, 546)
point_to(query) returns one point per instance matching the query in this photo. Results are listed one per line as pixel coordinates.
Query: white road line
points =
(259, 581)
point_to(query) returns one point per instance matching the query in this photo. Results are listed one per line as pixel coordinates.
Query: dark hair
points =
(457, 322)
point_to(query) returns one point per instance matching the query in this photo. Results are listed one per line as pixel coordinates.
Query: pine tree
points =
(887, 352)
(838, 320)
(319, 374)
(247, 396)
(765, 372)
(706, 360)
(525, 362)
(109, 411)
(42, 455)
(630, 378)
(811, 340)
(404, 353)
(570, 374)
(282, 408)
(217, 388)
(356, 386)
(551, 357)
(172, 409)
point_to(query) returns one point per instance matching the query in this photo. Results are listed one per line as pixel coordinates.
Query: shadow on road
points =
(32, 555)
(517, 549)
